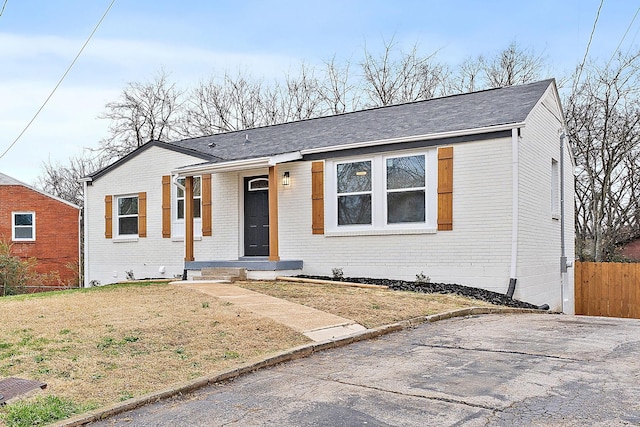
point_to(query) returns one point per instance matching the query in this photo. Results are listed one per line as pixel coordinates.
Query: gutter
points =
(426, 137)
(237, 165)
(266, 161)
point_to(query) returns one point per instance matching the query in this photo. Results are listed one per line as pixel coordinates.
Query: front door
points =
(256, 216)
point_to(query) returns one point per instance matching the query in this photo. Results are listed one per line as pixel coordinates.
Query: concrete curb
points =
(280, 357)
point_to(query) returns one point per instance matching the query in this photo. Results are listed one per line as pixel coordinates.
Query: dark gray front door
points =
(256, 216)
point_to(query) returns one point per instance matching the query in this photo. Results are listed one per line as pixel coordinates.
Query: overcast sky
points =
(195, 39)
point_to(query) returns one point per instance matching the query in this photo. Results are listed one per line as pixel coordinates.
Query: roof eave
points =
(238, 165)
(425, 137)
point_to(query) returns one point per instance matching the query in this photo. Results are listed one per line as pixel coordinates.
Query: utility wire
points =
(59, 81)
(3, 6)
(586, 52)
(623, 37)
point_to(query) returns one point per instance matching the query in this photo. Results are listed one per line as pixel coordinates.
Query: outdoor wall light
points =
(285, 178)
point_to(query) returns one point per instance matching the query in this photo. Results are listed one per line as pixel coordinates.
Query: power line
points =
(59, 81)
(623, 37)
(3, 6)
(586, 52)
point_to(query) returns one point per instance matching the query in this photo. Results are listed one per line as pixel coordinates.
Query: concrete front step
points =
(222, 273)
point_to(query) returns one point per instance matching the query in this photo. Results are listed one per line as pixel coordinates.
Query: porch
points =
(257, 268)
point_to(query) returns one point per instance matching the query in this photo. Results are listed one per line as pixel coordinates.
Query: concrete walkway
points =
(314, 324)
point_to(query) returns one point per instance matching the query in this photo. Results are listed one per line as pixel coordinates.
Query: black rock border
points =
(435, 288)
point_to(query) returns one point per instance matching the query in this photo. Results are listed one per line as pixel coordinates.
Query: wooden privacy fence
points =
(609, 289)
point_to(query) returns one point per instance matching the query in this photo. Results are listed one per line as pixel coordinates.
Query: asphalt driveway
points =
(488, 370)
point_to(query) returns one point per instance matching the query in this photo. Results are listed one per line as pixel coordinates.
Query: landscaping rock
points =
(436, 288)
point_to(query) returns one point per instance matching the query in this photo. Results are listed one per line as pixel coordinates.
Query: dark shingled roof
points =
(474, 110)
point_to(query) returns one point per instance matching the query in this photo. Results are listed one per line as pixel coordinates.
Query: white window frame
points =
(379, 223)
(177, 226)
(117, 216)
(32, 226)
(555, 189)
(355, 193)
(405, 189)
(195, 197)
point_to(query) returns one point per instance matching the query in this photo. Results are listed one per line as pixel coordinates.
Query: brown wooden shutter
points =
(205, 192)
(445, 188)
(166, 206)
(142, 214)
(108, 215)
(317, 197)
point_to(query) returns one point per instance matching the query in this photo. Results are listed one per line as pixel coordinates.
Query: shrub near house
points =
(41, 227)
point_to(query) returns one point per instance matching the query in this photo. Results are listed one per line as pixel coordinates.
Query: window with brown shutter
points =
(317, 197)
(445, 188)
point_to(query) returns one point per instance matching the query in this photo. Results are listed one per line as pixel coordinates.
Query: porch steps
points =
(230, 274)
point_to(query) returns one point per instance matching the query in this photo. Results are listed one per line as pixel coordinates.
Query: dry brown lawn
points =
(103, 345)
(369, 307)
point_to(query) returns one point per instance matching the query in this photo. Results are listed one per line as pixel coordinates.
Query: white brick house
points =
(465, 189)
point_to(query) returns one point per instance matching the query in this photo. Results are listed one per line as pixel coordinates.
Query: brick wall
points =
(539, 239)
(108, 260)
(56, 244)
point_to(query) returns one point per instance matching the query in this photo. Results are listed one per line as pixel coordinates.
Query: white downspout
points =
(80, 239)
(86, 237)
(515, 167)
(563, 255)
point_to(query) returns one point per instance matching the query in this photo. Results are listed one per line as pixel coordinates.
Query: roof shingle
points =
(474, 110)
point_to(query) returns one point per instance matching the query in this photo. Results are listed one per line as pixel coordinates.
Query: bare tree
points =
(603, 117)
(144, 112)
(339, 94)
(301, 98)
(389, 80)
(469, 76)
(62, 180)
(512, 66)
(233, 103)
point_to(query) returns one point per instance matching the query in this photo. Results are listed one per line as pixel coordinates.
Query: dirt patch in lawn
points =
(368, 307)
(102, 345)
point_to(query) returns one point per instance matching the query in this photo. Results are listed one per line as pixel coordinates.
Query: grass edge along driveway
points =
(98, 346)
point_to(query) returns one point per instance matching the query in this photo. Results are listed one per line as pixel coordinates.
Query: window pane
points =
(258, 184)
(23, 219)
(405, 172)
(405, 206)
(196, 208)
(24, 232)
(354, 209)
(181, 209)
(196, 186)
(128, 206)
(128, 225)
(354, 177)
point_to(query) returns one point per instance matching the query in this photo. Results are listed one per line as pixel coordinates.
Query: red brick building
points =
(631, 250)
(40, 226)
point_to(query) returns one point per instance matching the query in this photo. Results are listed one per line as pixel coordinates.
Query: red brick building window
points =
(23, 227)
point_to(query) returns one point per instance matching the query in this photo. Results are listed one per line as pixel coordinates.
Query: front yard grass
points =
(98, 346)
(369, 307)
